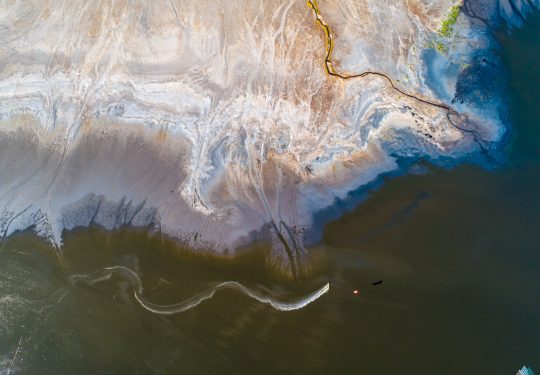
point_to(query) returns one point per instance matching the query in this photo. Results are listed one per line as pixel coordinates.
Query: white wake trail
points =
(106, 273)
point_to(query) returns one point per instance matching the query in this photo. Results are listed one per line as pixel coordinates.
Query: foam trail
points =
(106, 273)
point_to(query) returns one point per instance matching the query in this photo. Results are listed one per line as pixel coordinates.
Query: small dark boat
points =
(378, 282)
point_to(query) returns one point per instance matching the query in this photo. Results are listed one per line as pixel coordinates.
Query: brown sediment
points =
(428, 13)
(258, 254)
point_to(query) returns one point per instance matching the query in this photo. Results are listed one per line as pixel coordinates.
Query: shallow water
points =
(458, 253)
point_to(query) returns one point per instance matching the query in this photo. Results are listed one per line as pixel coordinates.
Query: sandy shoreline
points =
(214, 140)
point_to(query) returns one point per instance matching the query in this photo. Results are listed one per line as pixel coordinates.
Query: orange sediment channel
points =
(332, 71)
(329, 42)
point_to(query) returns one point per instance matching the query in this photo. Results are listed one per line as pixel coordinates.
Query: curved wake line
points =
(106, 273)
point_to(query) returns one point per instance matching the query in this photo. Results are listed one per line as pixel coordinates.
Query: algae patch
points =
(447, 25)
(446, 29)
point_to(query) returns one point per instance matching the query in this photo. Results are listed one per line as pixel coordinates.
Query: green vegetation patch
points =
(445, 31)
(441, 48)
(438, 46)
(450, 20)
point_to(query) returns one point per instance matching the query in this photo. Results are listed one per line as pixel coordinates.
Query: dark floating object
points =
(378, 282)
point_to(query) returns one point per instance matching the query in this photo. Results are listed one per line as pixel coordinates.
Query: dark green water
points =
(458, 252)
